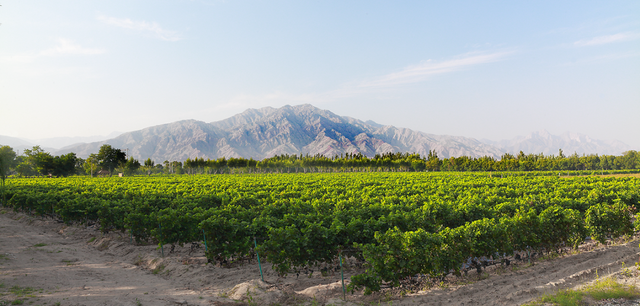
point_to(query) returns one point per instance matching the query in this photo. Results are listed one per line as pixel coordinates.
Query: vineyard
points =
(398, 225)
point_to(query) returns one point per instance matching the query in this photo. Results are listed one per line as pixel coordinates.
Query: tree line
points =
(109, 160)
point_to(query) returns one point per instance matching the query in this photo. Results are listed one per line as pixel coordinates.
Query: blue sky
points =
(482, 69)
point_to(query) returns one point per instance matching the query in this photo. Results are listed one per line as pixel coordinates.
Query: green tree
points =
(131, 166)
(35, 160)
(7, 161)
(110, 157)
(64, 165)
(629, 159)
(148, 165)
(91, 164)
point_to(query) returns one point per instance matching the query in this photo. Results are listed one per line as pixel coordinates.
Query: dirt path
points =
(44, 263)
(523, 284)
(58, 268)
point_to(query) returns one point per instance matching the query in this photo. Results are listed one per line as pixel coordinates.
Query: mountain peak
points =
(306, 129)
(298, 129)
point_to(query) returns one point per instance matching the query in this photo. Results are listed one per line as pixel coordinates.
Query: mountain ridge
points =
(265, 132)
(305, 129)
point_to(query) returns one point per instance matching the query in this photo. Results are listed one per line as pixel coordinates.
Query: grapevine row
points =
(401, 224)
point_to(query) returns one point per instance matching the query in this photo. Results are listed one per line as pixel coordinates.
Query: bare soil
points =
(43, 262)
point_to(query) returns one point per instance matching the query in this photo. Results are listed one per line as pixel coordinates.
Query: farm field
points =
(391, 229)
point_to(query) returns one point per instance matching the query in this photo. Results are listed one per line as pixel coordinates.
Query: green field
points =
(398, 224)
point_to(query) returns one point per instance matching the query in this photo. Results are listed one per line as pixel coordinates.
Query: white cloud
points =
(607, 39)
(142, 26)
(68, 47)
(64, 47)
(411, 74)
(420, 72)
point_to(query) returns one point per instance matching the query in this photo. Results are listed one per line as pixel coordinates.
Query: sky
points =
(482, 69)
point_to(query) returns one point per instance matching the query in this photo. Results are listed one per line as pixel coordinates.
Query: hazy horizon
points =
(491, 70)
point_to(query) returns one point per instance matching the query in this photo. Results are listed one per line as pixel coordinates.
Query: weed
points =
(625, 271)
(138, 303)
(17, 302)
(39, 245)
(68, 262)
(158, 269)
(139, 260)
(91, 240)
(250, 300)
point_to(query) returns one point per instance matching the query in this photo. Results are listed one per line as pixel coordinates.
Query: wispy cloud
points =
(152, 28)
(603, 58)
(63, 47)
(68, 47)
(422, 71)
(411, 74)
(607, 39)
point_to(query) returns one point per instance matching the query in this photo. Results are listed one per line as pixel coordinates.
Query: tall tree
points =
(111, 158)
(91, 164)
(148, 164)
(131, 166)
(7, 161)
(65, 165)
(34, 160)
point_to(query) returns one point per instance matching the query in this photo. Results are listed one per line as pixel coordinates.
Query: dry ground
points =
(43, 262)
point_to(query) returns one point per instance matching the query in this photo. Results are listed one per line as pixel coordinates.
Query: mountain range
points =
(305, 129)
(544, 142)
(51, 144)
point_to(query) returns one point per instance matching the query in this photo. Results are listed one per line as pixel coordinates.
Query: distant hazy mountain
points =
(265, 132)
(51, 144)
(14, 142)
(61, 142)
(543, 142)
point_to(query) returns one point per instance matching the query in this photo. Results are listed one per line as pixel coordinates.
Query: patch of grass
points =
(39, 245)
(562, 298)
(22, 292)
(158, 269)
(601, 289)
(17, 302)
(91, 240)
(608, 288)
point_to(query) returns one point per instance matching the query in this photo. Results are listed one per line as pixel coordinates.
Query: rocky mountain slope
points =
(265, 132)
